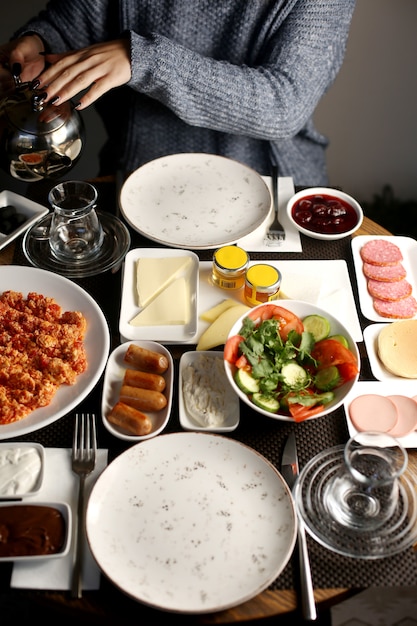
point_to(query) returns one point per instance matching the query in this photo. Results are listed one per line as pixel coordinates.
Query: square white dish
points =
(408, 247)
(398, 386)
(31, 210)
(65, 510)
(113, 377)
(22, 467)
(232, 409)
(175, 333)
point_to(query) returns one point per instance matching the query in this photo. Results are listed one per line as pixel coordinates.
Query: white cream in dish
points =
(206, 391)
(20, 469)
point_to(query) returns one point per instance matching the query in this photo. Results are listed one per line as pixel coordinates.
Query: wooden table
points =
(266, 604)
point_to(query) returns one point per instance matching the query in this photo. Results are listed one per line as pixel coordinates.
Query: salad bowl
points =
(330, 348)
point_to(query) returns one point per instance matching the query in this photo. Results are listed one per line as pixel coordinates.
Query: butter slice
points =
(153, 275)
(171, 306)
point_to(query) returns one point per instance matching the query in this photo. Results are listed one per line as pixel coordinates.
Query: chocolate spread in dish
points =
(29, 530)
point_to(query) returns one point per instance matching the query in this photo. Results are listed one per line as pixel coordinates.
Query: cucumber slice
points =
(246, 382)
(317, 325)
(326, 397)
(294, 376)
(342, 339)
(266, 403)
(327, 378)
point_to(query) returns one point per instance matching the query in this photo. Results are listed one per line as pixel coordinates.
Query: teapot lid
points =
(27, 112)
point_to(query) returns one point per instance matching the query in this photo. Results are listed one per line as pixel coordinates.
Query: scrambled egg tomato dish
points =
(41, 348)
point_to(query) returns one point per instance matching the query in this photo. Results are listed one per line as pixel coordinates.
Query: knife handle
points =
(307, 593)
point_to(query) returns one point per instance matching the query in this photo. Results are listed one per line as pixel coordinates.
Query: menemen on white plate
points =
(71, 297)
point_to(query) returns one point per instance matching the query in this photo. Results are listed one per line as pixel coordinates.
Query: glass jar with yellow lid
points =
(262, 283)
(229, 267)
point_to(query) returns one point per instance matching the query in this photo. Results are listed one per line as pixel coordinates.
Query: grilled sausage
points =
(143, 399)
(145, 380)
(130, 419)
(146, 360)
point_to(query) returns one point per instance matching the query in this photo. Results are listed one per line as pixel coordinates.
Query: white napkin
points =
(60, 484)
(292, 242)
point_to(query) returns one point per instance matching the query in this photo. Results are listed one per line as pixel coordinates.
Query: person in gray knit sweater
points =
(239, 78)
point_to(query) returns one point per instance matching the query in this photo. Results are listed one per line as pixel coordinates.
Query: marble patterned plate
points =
(191, 522)
(195, 201)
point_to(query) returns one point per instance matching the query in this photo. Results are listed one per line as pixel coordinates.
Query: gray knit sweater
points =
(240, 78)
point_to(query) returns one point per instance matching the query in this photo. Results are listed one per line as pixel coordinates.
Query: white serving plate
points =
(32, 210)
(186, 420)
(113, 377)
(408, 247)
(65, 509)
(398, 386)
(191, 522)
(39, 478)
(175, 333)
(195, 201)
(324, 283)
(70, 297)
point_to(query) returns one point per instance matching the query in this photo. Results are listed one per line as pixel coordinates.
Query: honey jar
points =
(262, 283)
(229, 267)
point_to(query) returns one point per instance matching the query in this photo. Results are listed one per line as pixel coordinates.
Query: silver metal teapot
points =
(38, 140)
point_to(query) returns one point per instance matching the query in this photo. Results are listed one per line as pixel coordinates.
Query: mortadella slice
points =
(373, 412)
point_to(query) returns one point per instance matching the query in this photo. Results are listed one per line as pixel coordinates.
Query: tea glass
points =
(363, 493)
(75, 232)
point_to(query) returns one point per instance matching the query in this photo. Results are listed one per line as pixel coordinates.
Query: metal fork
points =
(276, 232)
(83, 459)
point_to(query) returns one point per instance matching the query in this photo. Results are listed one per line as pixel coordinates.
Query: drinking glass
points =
(75, 232)
(363, 494)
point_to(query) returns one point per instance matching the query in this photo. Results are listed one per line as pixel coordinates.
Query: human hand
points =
(24, 53)
(96, 69)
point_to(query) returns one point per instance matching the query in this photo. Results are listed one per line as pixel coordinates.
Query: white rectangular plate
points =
(186, 421)
(324, 283)
(30, 209)
(395, 387)
(408, 247)
(176, 333)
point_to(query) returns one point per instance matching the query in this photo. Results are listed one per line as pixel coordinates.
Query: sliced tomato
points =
(231, 348)
(347, 371)
(287, 319)
(264, 312)
(331, 352)
(242, 363)
(300, 413)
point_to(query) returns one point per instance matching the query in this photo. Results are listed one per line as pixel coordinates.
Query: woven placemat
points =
(267, 436)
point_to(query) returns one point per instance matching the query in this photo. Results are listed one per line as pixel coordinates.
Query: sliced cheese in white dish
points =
(153, 275)
(171, 306)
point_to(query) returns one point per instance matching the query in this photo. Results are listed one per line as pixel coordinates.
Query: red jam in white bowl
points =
(324, 214)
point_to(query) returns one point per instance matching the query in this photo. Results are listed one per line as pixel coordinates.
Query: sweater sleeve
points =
(272, 98)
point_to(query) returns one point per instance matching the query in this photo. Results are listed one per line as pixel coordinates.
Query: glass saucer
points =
(115, 246)
(398, 533)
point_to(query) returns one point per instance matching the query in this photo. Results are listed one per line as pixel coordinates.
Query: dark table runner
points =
(265, 435)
